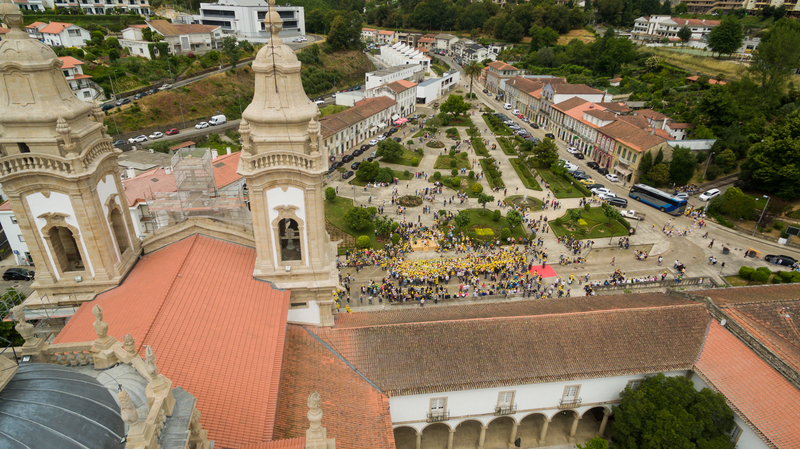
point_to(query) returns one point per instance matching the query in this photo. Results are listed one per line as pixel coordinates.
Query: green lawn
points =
(561, 187)
(496, 125)
(794, 214)
(524, 174)
(443, 162)
(407, 159)
(421, 132)
(334, 213)
(479, 219)
(332, 109)
(461, 120)
(464, 188)
(594, 222)
(397, 174)
(493, 176)
(507, 146)
(453, 134)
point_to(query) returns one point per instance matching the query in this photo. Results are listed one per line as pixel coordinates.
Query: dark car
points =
(151, 91)
(617, 201)
(331, 169)
(118, 143)
(534, 125)
(172, 132)
(364, 147)
(107, 107)
(594, 186)
(387, 134)
(602, 171)
(593, 164)
(369, 159)
(358, 152)
(486, 91)
(337, 164)
(393, 130)
(550, 136)
(139, 95)
(18, 274)
(579, 155)
(580, 176)
(355, 165)
(347, 158)
(786, 261)
(347, 174)
(123, 101)
(398, 140)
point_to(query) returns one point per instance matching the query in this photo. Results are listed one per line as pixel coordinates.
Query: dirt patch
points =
(583, 35)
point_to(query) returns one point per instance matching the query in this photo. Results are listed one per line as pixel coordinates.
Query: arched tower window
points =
(289, 233)
(65, 249)
(118, 226)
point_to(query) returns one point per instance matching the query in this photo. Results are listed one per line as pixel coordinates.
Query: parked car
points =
(369, 159)
(398, 140)
(603, 171)
(486, 91)
(18, 274)
(364, 148)
(201, 125)
(172, 132)
(572, 150)
(347, 158)
(616, 201)
(593, 165)
(358, 152)
(550, 136)
(165, 87)
(355, 165)
(535, 125)
(151, 91)
(786, 261)
(348, 174)
(123, 101)
(393, 130)
(708, 194)
(337, 164)
(380, 138)
(138, 96)
(515, 112)
(683, 195)
(107, 107)
(593, 186)
(586, 181)
(138, 139)
(373, 142)
(612, 177)
(507, 106)
(118, 143)
(156, 135)
(579, 155)
(601, 191)
(581, 176)
(631, 214)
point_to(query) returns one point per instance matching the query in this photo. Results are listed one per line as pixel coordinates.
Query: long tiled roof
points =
(632, 136)
(217, 332)
(140, 187)
(767, 401)
(500, 65)
(572, 103)
(575, 89)
(753, 294)
(294, 443)
(355, 412)
(651, 114)
(69, 62)
(401, 86)
(166, 28)
(615, 107)
(55, 27)
(6, 205)
(362, 110)
(613, 337)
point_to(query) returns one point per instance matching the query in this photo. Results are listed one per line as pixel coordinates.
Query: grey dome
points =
(51, 406)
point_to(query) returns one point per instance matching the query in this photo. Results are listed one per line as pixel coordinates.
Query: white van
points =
(217, 120)
(507, 106)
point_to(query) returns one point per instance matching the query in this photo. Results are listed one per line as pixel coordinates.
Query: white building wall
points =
(305, 315)
(14, 234)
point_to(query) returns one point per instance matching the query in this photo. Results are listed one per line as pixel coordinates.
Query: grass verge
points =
(484, 219)
(445, 162)
(334, 213)
(561, 187)
(408, 159)
(592, 225)
(524, 174)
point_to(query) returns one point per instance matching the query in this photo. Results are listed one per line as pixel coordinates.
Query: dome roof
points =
(51, 406)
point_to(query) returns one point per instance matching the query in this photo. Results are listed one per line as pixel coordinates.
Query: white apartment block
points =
(434, 88)
(99, 7)
(57, 34)
(33, 5)
(392, 74)
(656, 28)
(245, 18)
(402, 55)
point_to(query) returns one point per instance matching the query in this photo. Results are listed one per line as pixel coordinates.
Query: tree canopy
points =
(455, 104)
(546, 153)
(773, 164)
(389, 150)
(667, 412)
(726, 37)
(682, 166)
(777, 56)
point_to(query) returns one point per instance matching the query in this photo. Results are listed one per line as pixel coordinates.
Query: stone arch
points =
(435, 435)
(560, 427)
(467, 434)
(498, 432)
(116, 221)
(593, 423)
(289, 233)
(405, 437)
(530, 428)
(64, 242)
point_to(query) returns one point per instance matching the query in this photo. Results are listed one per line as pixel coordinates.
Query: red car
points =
(520, 116)
(172, 132)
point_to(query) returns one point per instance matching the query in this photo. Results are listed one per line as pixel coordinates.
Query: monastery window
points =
(571, 393)
(634, 384)
(438, 406)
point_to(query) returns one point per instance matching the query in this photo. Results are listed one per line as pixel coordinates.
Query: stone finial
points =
(66, 135)
(150, 360)
(12, 17)
(98, 115)
(316, 435)
(273, 21)
(25, 329)
(100, 326)
(127, 410)
(244, 131)
(198, 438)
(129, 344)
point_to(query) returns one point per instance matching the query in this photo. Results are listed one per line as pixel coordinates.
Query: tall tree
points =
(726, 37)
(472, 69)
(666, 8)
(684, 34)
(542, 37)
(682, 166)
(455, 104)
(231, 50)
(777, 56)
(545, 154)
(773, 164)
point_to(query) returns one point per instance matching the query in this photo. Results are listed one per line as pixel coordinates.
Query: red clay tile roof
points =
(615, 107)
(34, 24)
(166, 28)
(355, 412)
(6, 205)
(651, 114)
(225, 167)
(602, 115)
(500, 65)
(752, 294)
(768, 402)
(525, 84)
(674, 125)
(362, 110)
(368, 29)
(55, 27)
(188, 143)
(387, 32)
(537, 349)
(139, 188)
(575, 89)
(294, 443)
(217, 332)
(630, 135)
(570, 104)
(401, 86)
(635, 120)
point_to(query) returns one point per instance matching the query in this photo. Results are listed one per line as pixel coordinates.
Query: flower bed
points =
(410, 201)
(435, 144)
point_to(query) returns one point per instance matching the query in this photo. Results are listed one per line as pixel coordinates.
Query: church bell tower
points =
(284, 168)
(60, 172)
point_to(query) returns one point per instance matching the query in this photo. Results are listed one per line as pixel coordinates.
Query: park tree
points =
(777, 56)
(734, 204)
(358, 218)
(513, 218)
(659, 157)
(330, 194)
(462, 220)
(772, 164)
(681, 168)
(559, 169)
(542, 37)
(231, 50)
(383, 225)
(389, 150)
(477, 188)
(472, 69)
(368, 171)
(726, 160)
(726, 37)
(659, 173)
(610, 213)
(112, 42)
(97, 37)
(646, 163)
(484, 199)
(667, 412)
(545, 154)
(684, 34)
(8, 334)
(455, 104)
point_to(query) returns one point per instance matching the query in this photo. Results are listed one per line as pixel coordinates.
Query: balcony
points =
(438, 416)
(505, 410)
(564, 404)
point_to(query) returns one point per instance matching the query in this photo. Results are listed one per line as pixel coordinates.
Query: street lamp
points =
(762, 215)
(707, 162)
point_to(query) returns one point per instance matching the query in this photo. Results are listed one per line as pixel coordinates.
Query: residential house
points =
(654, 29)
(57, 34)
(711, 81)
(499, 71)
(400, 54)
(655, 119)
(434, 88)
(80, 84)
(410, 39)
(33, 30)
(345, 130)
(184, 39)
(368, 35)
(445, 42)
(554, 93)
(621, 145)
(386, 37)
(566, 120)
(32, 5)
(427, 42)
(405, 94)
(133, 41)
(245, 18)
(413, 72)
(524, 92)
(678, 131)
(475, 53)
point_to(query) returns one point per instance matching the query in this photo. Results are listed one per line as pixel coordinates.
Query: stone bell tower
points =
(284, 169)
(60, 172)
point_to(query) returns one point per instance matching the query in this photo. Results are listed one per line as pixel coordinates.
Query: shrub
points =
(330, 194)
(454, 172)
(477, 189)
(471, 175)
(455, 182)
(453, 163)
(786, 276)
(778, 225)
(746, 272)
(497, 215)
(776, 280)
(452, 153)
(760, 276)
(437, 176)
(505, 233)
(364, 241)
(764, 270)
(558, 221)
(420, 151)
(395, 238)
(395, 225)
(414, 161)
(586, 207)
(713, 172)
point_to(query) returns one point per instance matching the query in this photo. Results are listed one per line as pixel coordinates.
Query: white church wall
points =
(747, 439)
(292, 196)
(533, 398)
(307, 315)
(105, 188)
(38, 204)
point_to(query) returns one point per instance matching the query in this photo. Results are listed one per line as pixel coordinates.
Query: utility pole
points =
(180, 105)
(707, 162)
(762, 215)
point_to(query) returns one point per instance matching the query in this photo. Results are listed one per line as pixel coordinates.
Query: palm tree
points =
(472, 70)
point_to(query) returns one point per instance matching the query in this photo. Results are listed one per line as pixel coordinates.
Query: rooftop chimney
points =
(130, 172)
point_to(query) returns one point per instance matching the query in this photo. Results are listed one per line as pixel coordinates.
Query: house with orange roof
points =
(346, 129)
(557, 92)
(57, 34)
(621, 145)
(654, 118)
(33, 30)
(678, 131)
(82, 85)
(385, 37)
(498, 73)
(368, 35)
(711, 81)
(520, 92)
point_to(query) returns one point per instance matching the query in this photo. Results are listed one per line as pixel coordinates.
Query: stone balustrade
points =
(97, 150)
(270, 160)
(19, 163)
(69, 354)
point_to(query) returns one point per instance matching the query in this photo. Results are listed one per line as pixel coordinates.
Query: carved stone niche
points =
(288, 233)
